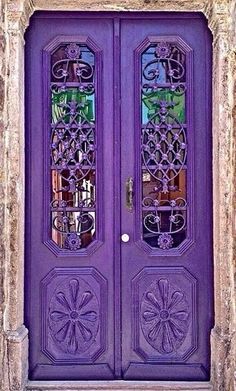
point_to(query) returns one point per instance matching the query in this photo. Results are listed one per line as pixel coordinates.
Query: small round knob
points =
(125, 238)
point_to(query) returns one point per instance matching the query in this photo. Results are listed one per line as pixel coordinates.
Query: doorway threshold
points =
(118, 385)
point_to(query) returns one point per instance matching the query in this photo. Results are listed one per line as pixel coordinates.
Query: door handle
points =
(129, 193)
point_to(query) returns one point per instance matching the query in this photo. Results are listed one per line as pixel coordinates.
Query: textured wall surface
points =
(14, 18)
(2, 182)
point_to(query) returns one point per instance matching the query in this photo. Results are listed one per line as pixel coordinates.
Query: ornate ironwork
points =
(72, 65)
(73, 145)
(168, 57)
(172, 212)
(163, 144)
(164, 147)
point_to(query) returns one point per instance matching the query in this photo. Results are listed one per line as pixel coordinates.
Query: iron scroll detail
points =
(164, 143)
(73, 145)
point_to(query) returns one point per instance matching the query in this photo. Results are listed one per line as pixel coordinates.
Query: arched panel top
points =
(163, 40)
(59, 40)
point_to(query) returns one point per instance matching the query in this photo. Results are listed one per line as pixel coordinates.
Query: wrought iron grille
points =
(164, 144)
(73, 146)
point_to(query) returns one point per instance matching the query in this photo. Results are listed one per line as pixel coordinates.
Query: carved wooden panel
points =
(74, 311)
(164, 315)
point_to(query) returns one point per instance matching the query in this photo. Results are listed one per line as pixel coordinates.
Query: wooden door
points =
(118, 198)
(167, 287)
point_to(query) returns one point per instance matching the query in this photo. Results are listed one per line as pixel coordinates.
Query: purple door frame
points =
(119, 276)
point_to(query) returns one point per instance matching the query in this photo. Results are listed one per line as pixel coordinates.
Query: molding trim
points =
(118, 386)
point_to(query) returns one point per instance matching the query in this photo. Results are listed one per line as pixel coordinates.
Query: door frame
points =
(15, 341)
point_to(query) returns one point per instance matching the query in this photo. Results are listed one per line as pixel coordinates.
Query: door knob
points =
(125, 238)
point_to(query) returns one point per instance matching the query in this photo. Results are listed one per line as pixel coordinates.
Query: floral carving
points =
(164, 316)
(74, 316)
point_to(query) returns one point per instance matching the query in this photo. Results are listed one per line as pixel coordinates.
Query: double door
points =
(118, 196)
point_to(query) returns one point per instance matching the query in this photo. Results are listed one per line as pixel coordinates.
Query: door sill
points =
(118, 385)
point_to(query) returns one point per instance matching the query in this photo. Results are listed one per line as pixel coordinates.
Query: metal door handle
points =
(129, 193)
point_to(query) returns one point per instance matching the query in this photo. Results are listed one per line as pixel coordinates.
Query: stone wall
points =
(14, 18)
(3, 347)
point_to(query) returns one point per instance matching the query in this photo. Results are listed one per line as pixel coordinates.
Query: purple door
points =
(118, 199)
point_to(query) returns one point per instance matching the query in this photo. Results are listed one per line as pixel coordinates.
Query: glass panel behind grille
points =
(164, 145)
(73, 146)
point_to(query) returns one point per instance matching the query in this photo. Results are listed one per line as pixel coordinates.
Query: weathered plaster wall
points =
(14, 18)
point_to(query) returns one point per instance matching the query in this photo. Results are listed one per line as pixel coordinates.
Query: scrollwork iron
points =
(164, 143)
(62, 69)
(73, 144)
(175, 219)
(168, 56)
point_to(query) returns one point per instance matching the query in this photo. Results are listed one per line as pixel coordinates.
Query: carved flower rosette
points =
(165, 316)
(74, 316)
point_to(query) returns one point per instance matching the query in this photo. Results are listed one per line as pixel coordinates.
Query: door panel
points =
(166, 265)
(118, 142)
(69, 238)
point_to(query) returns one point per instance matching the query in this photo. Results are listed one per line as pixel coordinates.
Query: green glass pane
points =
(149, 108)
(85, 101)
